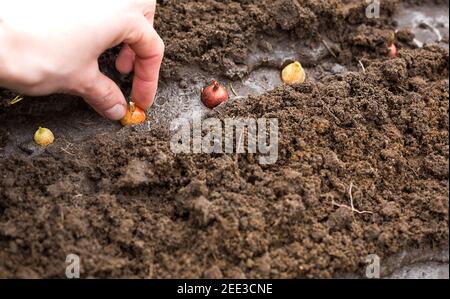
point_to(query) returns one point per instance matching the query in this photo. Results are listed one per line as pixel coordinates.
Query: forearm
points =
(25, 57)
(22, 60)
(6, 74)
(2, 50)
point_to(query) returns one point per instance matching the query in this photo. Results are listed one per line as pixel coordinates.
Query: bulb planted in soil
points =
(293, 74)
(135, 116)
(214, 94)
(392, 50)
(44, 137)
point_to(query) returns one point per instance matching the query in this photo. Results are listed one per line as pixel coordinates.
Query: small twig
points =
(418, 43)
(332, 114)
(68, 145)
(16, 100)
(410, 168)
(67, 152)
(233, 90)
(362, 66)
(239, 98)
(86, 123)
(329, 48)
(432, 29)
(350, 194)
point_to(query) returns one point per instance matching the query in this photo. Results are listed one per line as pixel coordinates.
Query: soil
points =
(129, 207)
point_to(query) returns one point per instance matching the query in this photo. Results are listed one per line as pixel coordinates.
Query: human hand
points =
(50, 46)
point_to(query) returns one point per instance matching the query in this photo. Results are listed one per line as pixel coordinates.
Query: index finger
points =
(149, 50)
(148, 7)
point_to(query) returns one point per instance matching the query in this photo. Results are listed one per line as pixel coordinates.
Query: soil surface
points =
(130, 207)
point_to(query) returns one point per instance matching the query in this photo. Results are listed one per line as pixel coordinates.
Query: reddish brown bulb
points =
(392, 50)
(214, 94)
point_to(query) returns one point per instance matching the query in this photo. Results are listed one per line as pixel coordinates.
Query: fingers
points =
(148, 7)
(125, 60)
(149, 50)
(150, 16)
(104, 96)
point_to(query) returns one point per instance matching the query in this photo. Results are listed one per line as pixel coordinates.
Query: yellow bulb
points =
(134, 116)
(293, 74)
(44, 137)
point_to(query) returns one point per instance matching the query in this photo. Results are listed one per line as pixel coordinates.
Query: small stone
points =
(236, 273)
(31, 148)
(213, 273)
(200, 211)
(338, 69)
(263, 266)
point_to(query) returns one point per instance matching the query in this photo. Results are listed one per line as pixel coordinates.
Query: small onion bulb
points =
(293, 74)
(44, 137)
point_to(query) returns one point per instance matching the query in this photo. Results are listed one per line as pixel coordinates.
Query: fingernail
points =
(116, 113)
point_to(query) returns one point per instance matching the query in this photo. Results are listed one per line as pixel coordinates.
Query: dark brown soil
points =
(129, 207)
(216, 34)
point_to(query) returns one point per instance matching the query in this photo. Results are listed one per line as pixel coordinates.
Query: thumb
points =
(102, 94)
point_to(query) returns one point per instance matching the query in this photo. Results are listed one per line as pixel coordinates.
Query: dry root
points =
(352, 205)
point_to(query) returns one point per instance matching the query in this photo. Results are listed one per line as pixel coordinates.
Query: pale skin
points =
(52, 46)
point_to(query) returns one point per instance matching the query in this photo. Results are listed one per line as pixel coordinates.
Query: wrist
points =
(5, 59)
(2, 52)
